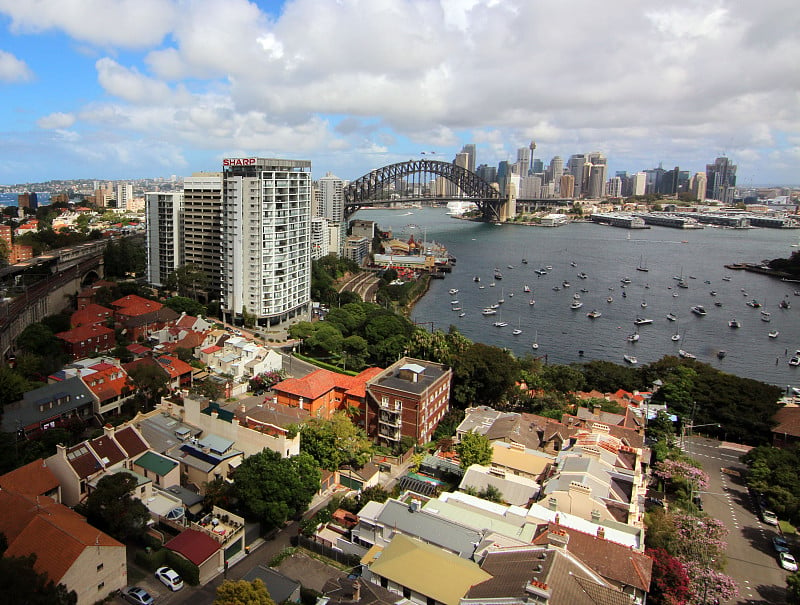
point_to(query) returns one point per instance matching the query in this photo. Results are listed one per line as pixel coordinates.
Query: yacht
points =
(526, 288)
(773, 334)
(576, 296)
(754, 303)
(644, 304)
(785, 304)
(795, 360)
(476, 278)
(576, 304)
(641, 321)
(489, 311)
(540, 271)
(675, 337)
(531, 302)
(582, 275)
(633, 337)
(500, 324)
(686, 354)
(630, 359)
(516, 332)
(565, 284)
(672, 317)
(734, 323)
(497, 274)
(593, 314)
(625, 280)
(610, 299)
(765, 316)
(699, 310)
(453, 291)
(721, 354)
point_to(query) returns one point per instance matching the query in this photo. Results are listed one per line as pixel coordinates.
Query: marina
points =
(607, 257)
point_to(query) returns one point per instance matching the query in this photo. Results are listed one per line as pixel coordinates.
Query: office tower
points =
(487, 173)
(503, 173)
(530, 187)
(124, 195)
(698, 185)
(575, 166)
(523, 164)
(614, 187)
(537, 166)
(266, 239)
(597, 181)
(669, 182)
(28, 200)
(469, 149)
(720, 180)
(331, 189)
(554, 172)
(638, 183)
(164, 241)
(567, 186)
(202, 216)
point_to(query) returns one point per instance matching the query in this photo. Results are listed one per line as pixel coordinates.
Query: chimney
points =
(596, 410)
(601, 533)
(61, 450)
(108, 430)
(214, 414)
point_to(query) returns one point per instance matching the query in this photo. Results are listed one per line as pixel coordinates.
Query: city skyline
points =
(353, 86)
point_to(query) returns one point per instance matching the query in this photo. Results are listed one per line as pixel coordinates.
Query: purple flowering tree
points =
(670, 470)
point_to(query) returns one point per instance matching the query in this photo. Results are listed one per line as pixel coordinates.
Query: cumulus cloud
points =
(118, 23)
(13, 69)
(677, 83)
(56, 120)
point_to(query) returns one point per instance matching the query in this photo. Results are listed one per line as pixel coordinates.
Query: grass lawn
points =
(787, 528)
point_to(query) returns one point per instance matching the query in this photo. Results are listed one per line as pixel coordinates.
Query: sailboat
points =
(642, 265)
(517, 331)
(676, 337)
(535, 344)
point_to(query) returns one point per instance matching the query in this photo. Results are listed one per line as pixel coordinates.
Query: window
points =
(100, 567)
(100, 585)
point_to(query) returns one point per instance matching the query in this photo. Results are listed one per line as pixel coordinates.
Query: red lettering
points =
(239, 161)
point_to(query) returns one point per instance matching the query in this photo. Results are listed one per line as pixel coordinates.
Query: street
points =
(752, 561)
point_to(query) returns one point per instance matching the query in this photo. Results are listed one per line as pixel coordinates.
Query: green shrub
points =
(186, 569)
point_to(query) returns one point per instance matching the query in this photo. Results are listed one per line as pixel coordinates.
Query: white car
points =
(787, 561)
(769, 517)
(170, 578)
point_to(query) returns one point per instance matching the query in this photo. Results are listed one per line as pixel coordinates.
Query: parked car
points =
(787, 561)
(780, 544)
(170, 578)
(137, 596)
(769, 517)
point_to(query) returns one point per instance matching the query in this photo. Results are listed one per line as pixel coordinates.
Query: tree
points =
(12, 386)
(793, 588)
(184, 304)
(474, 448)
(151, 380)
(491, 493)
(669, 584)
(483, 374)
(242, 592)
(335, 441)
(273, 489)
(112, 508)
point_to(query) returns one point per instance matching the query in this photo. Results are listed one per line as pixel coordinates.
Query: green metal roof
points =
(158, 464)
(223, 414)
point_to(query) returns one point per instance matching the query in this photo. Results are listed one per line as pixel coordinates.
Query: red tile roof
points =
(315, 385)
(105, 447)
(56, 534)
(91, 314)
(131, 441)
(82, 333)
(34, 478)
(788, 421)
(137, 349)
(194, 545)
(186, 321)
(211, 349)
(133, 305)
(174, 366)
(108, 382)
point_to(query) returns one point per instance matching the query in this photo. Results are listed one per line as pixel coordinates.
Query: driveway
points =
(751, 559)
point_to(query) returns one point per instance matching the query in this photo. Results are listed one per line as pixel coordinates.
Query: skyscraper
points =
(721, 180)
(164, 238)
(575, 166)
(469, 149)
(202, 217)
(266, 235)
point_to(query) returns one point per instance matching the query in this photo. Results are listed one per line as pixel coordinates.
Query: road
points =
(752, 562)
(364, 284)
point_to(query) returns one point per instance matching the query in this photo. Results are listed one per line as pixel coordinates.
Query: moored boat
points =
(593, 314)
(630, 359)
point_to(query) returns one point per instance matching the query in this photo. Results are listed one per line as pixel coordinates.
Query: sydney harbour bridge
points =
(424, 180)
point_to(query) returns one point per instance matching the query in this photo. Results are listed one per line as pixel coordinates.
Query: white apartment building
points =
(124, 195)
(331, 206)
(164, 212)
(266, 239)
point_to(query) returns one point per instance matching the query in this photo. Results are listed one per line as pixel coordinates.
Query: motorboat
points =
(461, 314)
(456, 308)
(492, 285)
(453, 291)
(625, 280)
(785, 304)
(524, 261)
(713, 292)
(497, 274)
(717, 304)
(642, 321)
(556, 288)
(582, 275)
(672, 317)
(624, 294)
(754, 303)
(630, 359)
(565, 284)
(773, 334)
(584, 290)
(795, 360)
(495, 306)
(454, 302)
(576, 296)
(531, 302)
(476, 278)
(766, 316)
(726, 278)
(500, 324)
(510, 266)
(481, 287)
(633, 337)
(644, 304)
(526, 288)
(686, 354)
(675, 337)
(593, 314)
(610, 299)
(683, 284)
(576, 304)
(573, 264)
(699, 310)
(721, 354)
(516, 332)
(734, 323)
(540, 272)
(489, 311)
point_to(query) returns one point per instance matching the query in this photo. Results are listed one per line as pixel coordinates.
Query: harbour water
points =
(607, 255)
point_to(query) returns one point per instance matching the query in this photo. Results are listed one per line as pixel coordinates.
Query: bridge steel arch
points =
(472, 187)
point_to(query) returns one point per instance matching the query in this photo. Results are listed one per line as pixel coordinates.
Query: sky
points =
(126, 89)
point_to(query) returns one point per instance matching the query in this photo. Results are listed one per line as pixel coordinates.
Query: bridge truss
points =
(413, 178)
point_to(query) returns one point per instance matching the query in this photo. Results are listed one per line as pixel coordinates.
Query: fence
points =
(327, 551)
